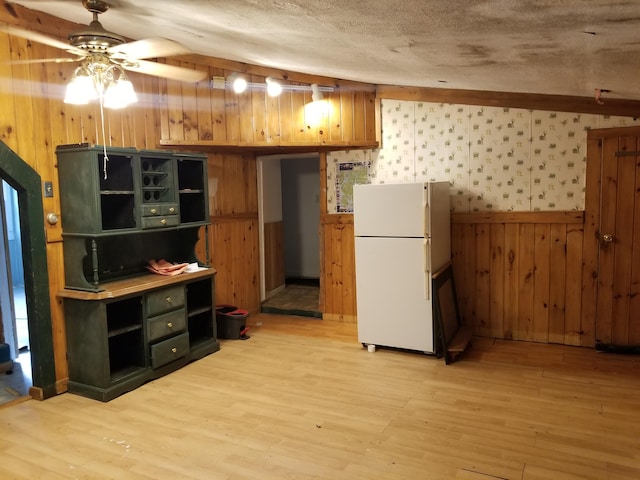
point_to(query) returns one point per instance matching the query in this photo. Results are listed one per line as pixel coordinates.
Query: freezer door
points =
(400, 210)
(393, 293)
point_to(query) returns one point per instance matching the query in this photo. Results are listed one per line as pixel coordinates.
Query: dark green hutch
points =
(120, 208)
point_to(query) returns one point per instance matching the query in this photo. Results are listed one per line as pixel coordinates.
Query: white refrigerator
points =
(402, 236)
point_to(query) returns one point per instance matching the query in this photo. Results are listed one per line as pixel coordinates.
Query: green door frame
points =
(26, 181)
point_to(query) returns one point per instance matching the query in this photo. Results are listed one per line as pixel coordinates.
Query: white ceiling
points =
(562, 47)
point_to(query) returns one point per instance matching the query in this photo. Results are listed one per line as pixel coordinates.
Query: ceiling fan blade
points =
(38, 37)
(166, 71)
(44, 60)
(148, 48)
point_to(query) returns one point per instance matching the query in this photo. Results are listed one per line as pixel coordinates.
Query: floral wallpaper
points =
(500, 159)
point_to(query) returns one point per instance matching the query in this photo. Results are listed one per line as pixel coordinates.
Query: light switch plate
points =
(48, 189)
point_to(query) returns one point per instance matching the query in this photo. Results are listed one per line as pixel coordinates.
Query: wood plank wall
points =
(234, 242)
(518, 276)
(337, 268)
(199, 116)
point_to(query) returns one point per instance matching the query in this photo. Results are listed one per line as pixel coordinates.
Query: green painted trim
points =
(26, 181)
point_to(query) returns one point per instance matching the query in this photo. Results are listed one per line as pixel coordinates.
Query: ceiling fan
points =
(96, 46)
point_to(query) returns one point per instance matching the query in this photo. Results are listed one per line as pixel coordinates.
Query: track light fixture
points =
(238, 83)
(274, 88)
(316, 94)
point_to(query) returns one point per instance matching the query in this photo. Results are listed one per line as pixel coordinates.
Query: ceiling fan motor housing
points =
(95, 38)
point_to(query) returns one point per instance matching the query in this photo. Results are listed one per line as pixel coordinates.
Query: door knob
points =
(607, 238)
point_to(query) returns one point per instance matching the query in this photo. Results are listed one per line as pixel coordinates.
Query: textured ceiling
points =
(562, 47)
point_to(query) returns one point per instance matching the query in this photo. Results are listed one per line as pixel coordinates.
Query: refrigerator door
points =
(400, 210)
(393, 293)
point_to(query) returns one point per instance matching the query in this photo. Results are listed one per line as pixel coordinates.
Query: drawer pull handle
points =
(168, 299)
(172, 210)
(170, 325)
(163, 221)
(154, 211)
(174, 350)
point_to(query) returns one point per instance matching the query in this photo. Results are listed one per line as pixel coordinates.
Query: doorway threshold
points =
(294, 299)
(295, 312)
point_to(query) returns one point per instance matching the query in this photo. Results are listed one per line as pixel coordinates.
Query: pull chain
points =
(104, 139)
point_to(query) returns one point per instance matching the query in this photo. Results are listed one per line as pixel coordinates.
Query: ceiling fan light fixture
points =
(81, 89)
(120, 93)
(104, 54)
(100, 79)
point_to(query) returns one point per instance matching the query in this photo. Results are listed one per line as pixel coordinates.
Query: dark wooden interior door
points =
(618, 299)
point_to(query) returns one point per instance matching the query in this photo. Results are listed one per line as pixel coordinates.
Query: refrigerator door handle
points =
(427, 269)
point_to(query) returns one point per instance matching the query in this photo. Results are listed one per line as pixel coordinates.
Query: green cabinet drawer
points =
(169, 209)
(162, 221)
(166, 325)
(169, 350)
(157, 209)
(151, 210)
(164, 300)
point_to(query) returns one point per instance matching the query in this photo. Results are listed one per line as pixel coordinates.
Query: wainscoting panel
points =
(518, 275)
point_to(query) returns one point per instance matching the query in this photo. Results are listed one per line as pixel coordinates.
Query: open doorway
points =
(13, 242)
(289, 211)
(16, 377)
(28, 185)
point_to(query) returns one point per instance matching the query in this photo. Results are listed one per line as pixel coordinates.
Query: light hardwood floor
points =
(301, 399)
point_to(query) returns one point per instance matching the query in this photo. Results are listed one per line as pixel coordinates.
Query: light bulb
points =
(120, 94)
(239, 84)
(80, 89)
(273, 87)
